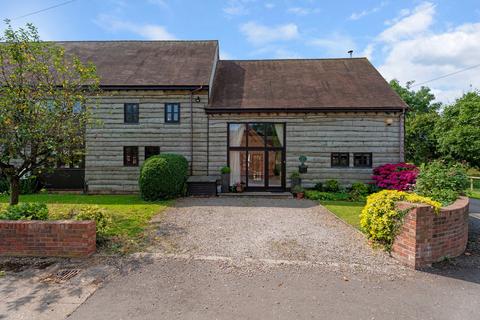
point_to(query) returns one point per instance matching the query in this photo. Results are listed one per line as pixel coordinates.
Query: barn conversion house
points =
(255, 116)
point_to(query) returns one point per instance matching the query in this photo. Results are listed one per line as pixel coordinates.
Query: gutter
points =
(192, 92)
(214, 110)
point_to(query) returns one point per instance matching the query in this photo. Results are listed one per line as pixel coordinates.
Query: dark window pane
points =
(130, 156)
(131, 112)
(256, 135)
(340, 159)
(172, 112)
(151, 151)
(362, 160)
(275, 134)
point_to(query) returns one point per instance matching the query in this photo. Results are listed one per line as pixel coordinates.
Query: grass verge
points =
(346, 210)
(130, 214)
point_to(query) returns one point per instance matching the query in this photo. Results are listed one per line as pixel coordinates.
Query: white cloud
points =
(417, 22)
(336, 45)
(146, 31)
(260, 34)
(366, 12)
(269, 5)
(224, 55)
(237, 7)
(425, 54)
(302, 11)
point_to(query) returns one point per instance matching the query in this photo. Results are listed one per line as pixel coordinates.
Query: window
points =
(130, 156)
(172, 112)
(340, 159)
(151, 151)
(362, 160)
(131, 111)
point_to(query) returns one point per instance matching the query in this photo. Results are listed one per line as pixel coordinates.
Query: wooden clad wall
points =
(316, 136)
(104, 169)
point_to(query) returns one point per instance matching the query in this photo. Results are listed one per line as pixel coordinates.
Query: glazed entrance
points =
(256, 155)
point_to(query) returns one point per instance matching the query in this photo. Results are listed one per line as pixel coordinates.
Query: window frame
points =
(173, 104)
(125, 163)
(136, 117)
(370, 155)
(332, 165)
(154, 154)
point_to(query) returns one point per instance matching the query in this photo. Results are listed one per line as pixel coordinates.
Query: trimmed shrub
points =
(358, 191)
(318, 186)
(400, 176)
(442, 181)
(331, 186)
(225, 170)
(326, 196)
(25, 211)
(380, 220)
(163, 177)
(100, 216)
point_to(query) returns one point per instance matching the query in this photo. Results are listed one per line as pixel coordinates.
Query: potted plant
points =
(298, 192)
(239, 187)
(225, 171)
(302, 168)
(295, 179)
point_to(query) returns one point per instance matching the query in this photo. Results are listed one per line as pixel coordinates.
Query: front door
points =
(256, 153)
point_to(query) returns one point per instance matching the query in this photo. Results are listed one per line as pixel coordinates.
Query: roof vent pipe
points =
(350, 52)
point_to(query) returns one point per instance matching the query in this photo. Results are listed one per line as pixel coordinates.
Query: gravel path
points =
(266, 229)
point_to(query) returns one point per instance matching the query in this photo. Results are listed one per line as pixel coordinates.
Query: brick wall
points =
(426, 237)
(47, 238)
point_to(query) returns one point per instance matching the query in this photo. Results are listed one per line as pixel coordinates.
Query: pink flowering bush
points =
(399, 176)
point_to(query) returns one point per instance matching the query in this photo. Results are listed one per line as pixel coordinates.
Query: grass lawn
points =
(130, 214)
(474, 194)
(346, 210)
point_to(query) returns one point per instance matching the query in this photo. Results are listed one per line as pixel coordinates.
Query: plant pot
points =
(225, 182)
(302, 168)
(239, 188)
(300, 195)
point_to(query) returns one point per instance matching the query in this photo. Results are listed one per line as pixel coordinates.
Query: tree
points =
(43, 92)
(422, 116)
(458, 131)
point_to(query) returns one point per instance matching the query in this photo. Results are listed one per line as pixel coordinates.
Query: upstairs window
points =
(362, 160)
(151, 151)
(340, 159)
(172, 112)
(130, 156)
(131, 111)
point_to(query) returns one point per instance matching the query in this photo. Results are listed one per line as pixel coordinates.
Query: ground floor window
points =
(363, 160)
(151, 151)
(340, 159)
(130, 156)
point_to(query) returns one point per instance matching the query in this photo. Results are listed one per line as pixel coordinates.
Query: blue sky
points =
(407, 40)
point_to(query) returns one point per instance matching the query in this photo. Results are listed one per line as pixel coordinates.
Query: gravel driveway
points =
(266, 229)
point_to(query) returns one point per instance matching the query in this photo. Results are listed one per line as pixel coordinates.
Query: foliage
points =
(400, 176)
(4, 185)
(298, 189)
(225, 170)
(421, 138)
(421, 118)
(331, 186)
(25, 211)
(380, 219)
(163, 177)
(458, 131)
(102, 219)
(331, 196)
(420, 101)
(295, 175)
(318, 186)
(358, 191)
(442, 181)
(41, 92)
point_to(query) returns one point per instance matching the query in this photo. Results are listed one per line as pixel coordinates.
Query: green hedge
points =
(163, 177)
